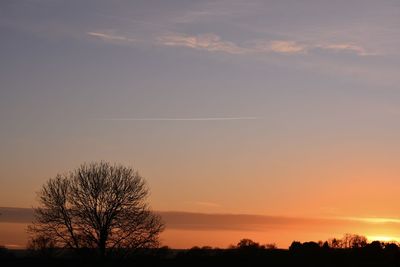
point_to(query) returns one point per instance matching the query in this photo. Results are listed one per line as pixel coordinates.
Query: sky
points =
(262, 108)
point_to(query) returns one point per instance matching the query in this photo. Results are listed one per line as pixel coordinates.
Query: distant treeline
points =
(351, 250)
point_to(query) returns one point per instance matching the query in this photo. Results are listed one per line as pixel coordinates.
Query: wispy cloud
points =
(209, 42)
(346, 47)
(373, 220)
(180, 119)
(248, 222)
(111, 37)
(293, 47)
(212, 42)
(287, 47)
(278, 46)
(16, 215)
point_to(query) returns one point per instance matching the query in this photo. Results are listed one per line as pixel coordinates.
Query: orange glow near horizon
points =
(383, 238)
(216, 233)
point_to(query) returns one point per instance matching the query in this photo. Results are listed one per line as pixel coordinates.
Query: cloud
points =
(374, 220)
(209, 42)
(287, 47)
(293, 47)
(277, 46)
(111, 37)
(345, 47)
(16, 215)
(250, 222)
(213, 43)
(237, 222)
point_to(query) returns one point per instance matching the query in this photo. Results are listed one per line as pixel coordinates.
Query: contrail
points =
(180, 119)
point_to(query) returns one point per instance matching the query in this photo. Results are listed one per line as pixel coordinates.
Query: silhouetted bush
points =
(295, 246)
(248, 244)
(246, 253)
(5, 253)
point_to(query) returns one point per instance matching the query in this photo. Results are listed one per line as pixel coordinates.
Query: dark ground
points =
(306, 254)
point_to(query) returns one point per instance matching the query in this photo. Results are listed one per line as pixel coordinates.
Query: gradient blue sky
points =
(230, 106)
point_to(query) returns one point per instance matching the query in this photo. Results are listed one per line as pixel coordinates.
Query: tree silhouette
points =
(246, 243)
(97, 206)
(353, 241)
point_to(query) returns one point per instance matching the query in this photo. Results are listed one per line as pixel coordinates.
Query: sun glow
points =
(379, 220)
(375, 220)
(383, 238)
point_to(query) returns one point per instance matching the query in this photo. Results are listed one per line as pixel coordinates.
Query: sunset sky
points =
(282, 110)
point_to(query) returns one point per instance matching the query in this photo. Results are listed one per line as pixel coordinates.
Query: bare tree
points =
(97, 206)
(354, 241)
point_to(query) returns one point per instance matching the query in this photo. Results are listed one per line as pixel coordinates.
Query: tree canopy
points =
(97, 206)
